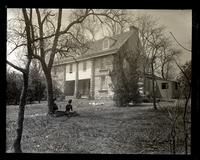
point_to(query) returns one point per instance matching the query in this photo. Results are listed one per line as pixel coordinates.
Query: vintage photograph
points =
(98, 81)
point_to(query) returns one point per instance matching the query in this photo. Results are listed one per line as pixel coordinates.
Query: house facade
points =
(88, 76)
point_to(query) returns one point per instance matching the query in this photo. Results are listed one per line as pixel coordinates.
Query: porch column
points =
(76, 82)
(92, 79)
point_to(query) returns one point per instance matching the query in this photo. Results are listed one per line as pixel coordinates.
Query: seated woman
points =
(55, 107)
(68, 106)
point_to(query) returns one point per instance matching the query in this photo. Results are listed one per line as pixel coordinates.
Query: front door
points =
(84, 87)
(69, 88)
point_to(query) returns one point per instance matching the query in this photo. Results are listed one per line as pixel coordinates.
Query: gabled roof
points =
(96, 48)
(150, 76)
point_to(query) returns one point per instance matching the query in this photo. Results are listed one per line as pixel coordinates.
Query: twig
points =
(180, 44)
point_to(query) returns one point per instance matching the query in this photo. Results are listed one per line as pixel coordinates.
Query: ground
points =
(100, 128)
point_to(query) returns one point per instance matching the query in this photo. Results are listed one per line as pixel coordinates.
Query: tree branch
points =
(16, 67)
(32, 33)
(28, 34)
(40, 32)
(51, 59)
(17, 46)
(188, 79)
(180, 44)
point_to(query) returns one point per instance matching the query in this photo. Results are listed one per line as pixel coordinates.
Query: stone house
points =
(88, 76)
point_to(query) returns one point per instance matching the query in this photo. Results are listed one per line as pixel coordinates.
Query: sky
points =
(179, 22)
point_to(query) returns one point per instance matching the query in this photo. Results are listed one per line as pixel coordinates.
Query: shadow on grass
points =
(63, 113)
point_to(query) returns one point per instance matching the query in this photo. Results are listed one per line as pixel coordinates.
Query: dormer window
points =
(105, 44)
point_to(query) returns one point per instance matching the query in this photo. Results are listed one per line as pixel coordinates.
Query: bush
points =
(146, 100)
(14, 86)
(124, 80)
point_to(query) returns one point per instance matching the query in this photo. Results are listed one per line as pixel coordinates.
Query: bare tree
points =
(114, 27)
(165, 60)
(36, 81)
(155, 42)
(186, 89)
(92, 26)
(25, 72)
(156, 49)
(48, 37)
(22, 103)
(185, 79)
(181, 111)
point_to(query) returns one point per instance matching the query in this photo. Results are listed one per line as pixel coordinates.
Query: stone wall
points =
(103, 65)
(102, 69)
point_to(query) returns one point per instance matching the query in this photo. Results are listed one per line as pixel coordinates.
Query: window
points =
(176, 85)
(105, 44)
(164, 85)
(103, 83)
(103, 65)
(70, 68)
(84, 65)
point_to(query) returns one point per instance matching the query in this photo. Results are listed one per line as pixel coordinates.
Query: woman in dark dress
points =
(69, 106)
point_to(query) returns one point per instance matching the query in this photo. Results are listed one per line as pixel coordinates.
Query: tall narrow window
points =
(176, 85)
(103, 83)
(102, 63)
(84, 65)
(70, 68)
(105, 44)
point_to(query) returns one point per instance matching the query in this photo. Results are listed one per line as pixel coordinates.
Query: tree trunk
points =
(39, 99)
(39, 93)
(49, 85)
(153, 87)
(162, 71)
(22, 103)
(154, 96)
(184, 122)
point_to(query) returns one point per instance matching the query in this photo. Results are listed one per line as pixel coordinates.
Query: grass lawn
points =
(98, 129)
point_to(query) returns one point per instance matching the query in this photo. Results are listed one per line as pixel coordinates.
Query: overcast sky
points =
(179, 22)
